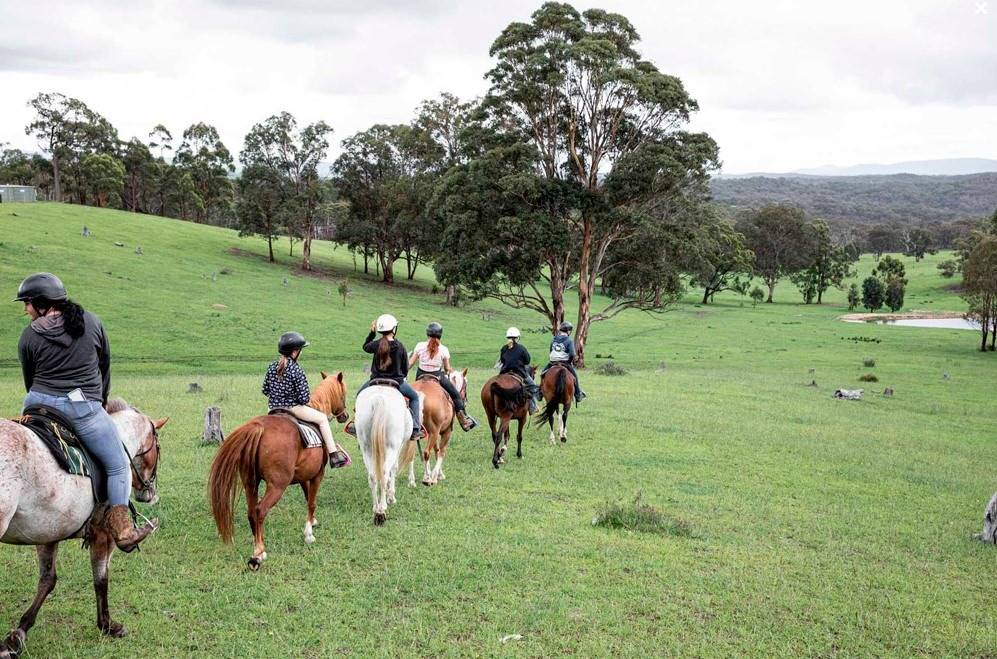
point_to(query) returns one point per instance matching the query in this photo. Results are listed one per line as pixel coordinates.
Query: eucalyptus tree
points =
(979, 286)
(777, 234)
(721, 260)
(576, 86)
(207, 162)
(825, 264)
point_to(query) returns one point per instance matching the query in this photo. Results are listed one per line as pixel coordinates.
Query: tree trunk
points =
(556, 295)
(270, 246)
(451, 295)
(584, 292)
(366, 265)
(388, 268)
(657, 297)
(213, 426)
(306, 249)
(57, 176)
(706, 296)
(771, 286)
(820, 295)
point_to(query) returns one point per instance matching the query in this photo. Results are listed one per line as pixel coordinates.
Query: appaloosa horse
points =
(506, 397)
(437, 419)
(558, 389)
(268, 448)
(42, 505)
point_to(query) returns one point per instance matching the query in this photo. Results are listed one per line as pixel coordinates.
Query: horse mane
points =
(118, 405)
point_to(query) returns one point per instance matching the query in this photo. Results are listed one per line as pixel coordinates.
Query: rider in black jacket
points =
(515, 358)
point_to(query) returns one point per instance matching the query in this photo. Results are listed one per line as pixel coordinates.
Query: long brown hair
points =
(433, 346)
(384, 352)
(281, 366)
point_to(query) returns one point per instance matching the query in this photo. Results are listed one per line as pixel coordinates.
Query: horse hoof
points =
(114, 629)
(379, 519)
(427, 482)
(309, 539)
(255, 563)
(13, 645)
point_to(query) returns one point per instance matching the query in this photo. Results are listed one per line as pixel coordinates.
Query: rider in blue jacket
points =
(562, 351)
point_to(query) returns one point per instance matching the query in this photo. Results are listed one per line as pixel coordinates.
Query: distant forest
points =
(900, 198)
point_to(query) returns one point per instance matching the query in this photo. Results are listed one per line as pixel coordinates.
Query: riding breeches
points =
(312, 415)
(405, 389)
(458, 403)
(97, 432)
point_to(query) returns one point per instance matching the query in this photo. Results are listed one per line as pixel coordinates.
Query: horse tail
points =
(237, 455)
(552, 406)
(408, 454)
(379, 438)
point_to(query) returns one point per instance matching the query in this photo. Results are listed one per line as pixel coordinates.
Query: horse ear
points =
(159, 423)
(464, 373)
(324, 376)
(339, 376)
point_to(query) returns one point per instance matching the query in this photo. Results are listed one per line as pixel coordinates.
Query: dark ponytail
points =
(72, 318)
(72, 314)
(384, 352)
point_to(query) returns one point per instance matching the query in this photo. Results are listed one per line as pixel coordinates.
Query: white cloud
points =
(781, 84)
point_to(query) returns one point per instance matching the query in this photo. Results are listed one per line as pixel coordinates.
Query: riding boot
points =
(466, 422)
(119, 522)
(339, 458)
(579, 395)
(417, 432)
(533, 406)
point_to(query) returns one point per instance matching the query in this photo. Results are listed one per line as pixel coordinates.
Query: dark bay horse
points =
(558, 389)
(42, 505)
(505, 398)
(268, 448)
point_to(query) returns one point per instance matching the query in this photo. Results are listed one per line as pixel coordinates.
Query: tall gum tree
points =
(575, 82)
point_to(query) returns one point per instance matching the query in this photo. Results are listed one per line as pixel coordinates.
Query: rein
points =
(147, 485)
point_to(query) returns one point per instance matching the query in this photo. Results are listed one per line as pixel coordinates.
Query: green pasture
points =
(818, 527)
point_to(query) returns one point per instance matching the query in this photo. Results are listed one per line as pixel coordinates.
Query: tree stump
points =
(989, 533)
(213, 426)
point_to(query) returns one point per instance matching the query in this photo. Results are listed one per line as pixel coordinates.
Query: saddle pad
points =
(58, 437)
(310, 435)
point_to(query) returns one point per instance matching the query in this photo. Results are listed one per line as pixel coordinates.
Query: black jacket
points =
(398, 368)
(515, 360)
(54, 363)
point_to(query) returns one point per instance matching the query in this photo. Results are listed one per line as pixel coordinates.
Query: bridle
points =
(150, 484)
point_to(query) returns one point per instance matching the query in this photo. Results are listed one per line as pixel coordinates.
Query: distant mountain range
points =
(941, 167)
(904, 198)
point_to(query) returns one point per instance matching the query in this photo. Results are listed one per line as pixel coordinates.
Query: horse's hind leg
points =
(14, 643)
(564, 425)
(550, 422)
(101, 550)
(270, 498)
(310, 489)
(519, 438)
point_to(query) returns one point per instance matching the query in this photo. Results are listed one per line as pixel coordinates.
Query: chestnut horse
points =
(42, 505)
(558, 389)
(505, 398)
(268, 448)
(437, 419)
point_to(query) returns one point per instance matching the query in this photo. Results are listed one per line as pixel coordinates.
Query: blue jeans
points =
(405, 389)
(98, 433)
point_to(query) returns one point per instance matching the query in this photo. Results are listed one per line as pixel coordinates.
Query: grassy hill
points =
(814, 526)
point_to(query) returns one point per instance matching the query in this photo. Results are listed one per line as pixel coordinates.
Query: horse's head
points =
(329, 397)
(141, 436)
(459, 381)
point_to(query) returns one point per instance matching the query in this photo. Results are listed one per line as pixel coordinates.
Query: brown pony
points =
(268, 448)
(437, 419)
(505, 398)
(558, 389)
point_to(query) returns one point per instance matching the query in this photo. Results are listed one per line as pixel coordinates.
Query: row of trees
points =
(978, 262)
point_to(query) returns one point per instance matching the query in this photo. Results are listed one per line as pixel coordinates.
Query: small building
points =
(17, 193)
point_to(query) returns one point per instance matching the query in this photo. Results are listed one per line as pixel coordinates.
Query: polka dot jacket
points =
(288, 391)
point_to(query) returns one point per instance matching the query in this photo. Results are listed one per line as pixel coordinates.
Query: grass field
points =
(817, 527)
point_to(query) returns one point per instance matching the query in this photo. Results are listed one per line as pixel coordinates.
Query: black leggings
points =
(458, 402)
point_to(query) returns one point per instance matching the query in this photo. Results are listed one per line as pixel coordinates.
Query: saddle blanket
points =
(310, 435)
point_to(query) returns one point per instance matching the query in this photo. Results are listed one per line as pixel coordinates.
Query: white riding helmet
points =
(386, 323)
(512, 333)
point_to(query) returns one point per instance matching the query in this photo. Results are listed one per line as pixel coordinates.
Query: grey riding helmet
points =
(41, 284)
(289, 342)
(566, 326)
(434, 330)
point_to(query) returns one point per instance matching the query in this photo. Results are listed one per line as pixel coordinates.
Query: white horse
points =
(42, 505)
(383, 426)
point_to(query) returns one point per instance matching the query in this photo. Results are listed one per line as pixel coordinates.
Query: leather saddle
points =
(311, 436)
(59, 436)
(383, 382)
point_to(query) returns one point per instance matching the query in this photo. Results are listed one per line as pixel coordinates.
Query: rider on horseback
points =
(390, 363)
(66, 362)
(286, 387)
(562, 351)
(434, 361)
(515, 358)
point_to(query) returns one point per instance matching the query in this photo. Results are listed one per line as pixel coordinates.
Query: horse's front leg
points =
(13, 645)
(519, 438)
(101, 550)
(375, 495)
(564, 426)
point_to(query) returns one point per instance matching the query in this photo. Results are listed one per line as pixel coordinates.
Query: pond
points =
(941, 323)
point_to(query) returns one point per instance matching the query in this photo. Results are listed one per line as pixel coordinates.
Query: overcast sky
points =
(781, 85)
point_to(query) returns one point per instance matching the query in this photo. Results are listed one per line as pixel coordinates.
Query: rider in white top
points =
(434, 360)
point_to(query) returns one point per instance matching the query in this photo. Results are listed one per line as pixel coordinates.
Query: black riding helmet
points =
(434, 330)
(289, 342)
(41, 285)
(566, 326)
